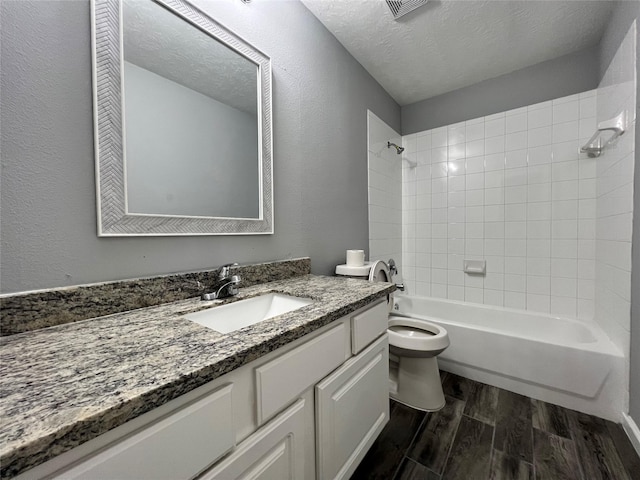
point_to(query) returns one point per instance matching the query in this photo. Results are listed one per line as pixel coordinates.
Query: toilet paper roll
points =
(355, 258)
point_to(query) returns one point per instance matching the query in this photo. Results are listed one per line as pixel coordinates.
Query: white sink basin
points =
(240, 314)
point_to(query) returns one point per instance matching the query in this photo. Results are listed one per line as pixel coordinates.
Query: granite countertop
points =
(64, 385)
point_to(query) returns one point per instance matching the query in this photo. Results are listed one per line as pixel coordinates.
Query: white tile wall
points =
(510, 188)
(611, 272)
(385, 190)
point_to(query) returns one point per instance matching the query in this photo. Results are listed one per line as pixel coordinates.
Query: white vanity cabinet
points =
(310, 409)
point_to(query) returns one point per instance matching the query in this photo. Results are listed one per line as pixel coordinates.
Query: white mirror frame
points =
(113, 217)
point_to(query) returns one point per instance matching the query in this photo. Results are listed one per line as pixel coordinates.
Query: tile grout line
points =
(493, 442)
(574, 446)
(572, 433)
(446, 462)
(406, 451)
(533, 443)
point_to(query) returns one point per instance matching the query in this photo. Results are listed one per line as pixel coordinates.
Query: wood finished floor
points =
(485, 433)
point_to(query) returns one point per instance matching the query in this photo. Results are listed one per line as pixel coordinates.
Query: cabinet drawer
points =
(368, 325)
(283, 379)
(179, 446)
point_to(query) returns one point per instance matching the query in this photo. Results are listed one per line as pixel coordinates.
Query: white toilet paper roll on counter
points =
(355, 258)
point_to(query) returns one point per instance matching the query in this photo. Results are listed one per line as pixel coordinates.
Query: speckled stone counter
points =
(64, 385)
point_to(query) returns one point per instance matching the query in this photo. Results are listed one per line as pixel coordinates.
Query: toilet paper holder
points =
(476, 267)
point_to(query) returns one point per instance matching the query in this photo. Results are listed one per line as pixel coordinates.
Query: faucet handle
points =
(224, 270)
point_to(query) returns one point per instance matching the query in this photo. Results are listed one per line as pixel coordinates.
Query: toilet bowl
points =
(414, 376)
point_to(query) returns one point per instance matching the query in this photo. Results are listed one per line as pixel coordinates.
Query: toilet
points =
(414, 377)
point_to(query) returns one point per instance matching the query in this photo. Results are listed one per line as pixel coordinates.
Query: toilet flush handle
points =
(400, 286)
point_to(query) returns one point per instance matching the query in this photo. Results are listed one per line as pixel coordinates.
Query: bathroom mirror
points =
(182, 123)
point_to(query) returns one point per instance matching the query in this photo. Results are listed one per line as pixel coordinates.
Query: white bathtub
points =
(559, 360)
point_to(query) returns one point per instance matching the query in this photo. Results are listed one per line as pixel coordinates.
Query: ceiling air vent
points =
(402, 7)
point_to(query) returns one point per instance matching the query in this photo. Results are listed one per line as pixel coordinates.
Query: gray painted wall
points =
(573, 73)
(623, 16)
(48, 220)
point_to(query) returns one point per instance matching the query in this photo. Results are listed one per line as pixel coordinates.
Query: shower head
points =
(399, 150)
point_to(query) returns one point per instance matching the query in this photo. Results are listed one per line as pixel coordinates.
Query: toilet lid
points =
(379, 272)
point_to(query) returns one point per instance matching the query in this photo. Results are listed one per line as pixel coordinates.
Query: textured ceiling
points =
(163, 43)
(450, 44)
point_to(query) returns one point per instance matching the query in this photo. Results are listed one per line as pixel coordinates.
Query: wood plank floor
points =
(484, 432)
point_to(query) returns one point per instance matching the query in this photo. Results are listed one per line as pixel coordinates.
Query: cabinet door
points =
(352, 407)
(275, 452)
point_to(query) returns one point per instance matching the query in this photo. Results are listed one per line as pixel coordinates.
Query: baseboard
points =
(632, 430)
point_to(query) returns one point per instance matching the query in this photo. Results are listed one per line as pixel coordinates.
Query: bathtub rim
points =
(602, 344)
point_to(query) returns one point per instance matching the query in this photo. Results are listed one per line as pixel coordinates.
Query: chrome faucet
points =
(227, 285)
(228, 289)
(224, 271)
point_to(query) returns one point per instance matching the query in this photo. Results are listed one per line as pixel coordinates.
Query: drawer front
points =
(283, 379)
(368, 325)
(179, 446)
(275, 452)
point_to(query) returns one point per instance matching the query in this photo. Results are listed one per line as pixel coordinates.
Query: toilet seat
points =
(417, 335)
(379, 272)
